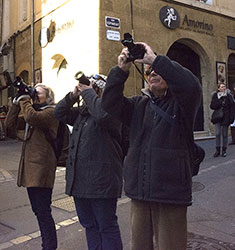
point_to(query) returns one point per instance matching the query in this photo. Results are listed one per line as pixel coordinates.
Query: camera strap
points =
(141, 73)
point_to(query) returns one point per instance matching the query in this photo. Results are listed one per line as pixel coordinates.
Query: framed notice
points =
(221, 72)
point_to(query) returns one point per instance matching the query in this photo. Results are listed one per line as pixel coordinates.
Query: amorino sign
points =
(171, 19)
(196, 24)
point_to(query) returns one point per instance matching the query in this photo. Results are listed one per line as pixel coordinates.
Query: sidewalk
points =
(18, 225)
(211, 218)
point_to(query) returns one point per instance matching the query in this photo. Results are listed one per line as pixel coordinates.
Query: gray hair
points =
(50, 96)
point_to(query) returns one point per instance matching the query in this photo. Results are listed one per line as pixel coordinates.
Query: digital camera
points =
(23, 88)
(99, 80)
(136, 51)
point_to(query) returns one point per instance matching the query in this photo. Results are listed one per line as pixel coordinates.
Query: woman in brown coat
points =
(38, 162)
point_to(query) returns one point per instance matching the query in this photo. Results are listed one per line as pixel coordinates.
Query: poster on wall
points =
(221, 72)
(205, 1)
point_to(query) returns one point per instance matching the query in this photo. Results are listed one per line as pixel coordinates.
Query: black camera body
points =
(136, 51)
(23, 88)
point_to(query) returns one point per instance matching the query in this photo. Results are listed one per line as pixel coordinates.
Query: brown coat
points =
(38, 163)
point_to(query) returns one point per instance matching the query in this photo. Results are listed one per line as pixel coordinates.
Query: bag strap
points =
(171, 120)
(163, 114)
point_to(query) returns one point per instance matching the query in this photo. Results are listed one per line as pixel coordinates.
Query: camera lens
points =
(79, 76)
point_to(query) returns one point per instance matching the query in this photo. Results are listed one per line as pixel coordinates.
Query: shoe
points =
(231, 143)
(224, 154)
(224, 151)
(216, 154)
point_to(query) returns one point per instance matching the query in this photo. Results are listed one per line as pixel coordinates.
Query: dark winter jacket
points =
(157, 166)
(94, 164)
(228, 107)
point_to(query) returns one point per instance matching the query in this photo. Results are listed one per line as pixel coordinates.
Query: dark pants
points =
(221, 131)
(40, 199)
(98, 217)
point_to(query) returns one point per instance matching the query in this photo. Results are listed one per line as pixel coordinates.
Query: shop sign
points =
(113, 35)
(169, 17)
(197, 24)
(171, 20)
(112, 22)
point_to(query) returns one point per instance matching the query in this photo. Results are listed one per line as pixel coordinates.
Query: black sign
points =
(112, 22)
(169, 17)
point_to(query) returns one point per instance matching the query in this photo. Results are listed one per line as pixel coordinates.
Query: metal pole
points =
(32, 41)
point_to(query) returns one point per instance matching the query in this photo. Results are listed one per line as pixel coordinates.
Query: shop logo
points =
(169, 17)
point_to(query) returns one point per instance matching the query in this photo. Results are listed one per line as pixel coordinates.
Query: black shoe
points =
(224, 154)
(216, 154)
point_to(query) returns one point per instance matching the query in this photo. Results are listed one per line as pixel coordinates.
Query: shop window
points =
(231, 42)
(205, 1)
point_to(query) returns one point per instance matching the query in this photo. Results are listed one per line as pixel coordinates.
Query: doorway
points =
(231, 71)
(185, 56)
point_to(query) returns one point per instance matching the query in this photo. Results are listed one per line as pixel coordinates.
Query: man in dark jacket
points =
(157, 168)
(94, 164)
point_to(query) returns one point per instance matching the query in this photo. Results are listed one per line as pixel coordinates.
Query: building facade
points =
(49, 41)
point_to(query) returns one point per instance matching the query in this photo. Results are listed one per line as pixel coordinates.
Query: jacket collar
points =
(149, 94)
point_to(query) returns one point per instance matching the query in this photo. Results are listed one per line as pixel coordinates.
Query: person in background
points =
(94, 165)
(232, 126)
(38, 162)
(158, 165)
(222, 98)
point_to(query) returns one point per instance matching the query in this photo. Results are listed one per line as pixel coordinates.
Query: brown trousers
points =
(167, 223)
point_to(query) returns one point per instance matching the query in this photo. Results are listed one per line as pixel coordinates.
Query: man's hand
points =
(122, 60)
(79, 88)
(149, 55)
(82, 87)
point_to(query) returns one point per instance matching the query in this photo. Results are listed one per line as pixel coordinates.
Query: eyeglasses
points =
(149, 71)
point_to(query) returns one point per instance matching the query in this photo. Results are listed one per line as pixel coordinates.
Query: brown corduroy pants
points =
(166, 223)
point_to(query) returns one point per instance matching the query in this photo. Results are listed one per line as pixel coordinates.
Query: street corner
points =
(5, 176)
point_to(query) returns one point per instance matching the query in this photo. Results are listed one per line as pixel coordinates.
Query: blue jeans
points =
(40, 199)
(98, 217)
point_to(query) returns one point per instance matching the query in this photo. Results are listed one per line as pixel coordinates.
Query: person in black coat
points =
(222, 98)
(158, 166)
(232, 126)
(94, 164)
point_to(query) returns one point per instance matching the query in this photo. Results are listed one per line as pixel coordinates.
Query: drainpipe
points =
(1, 27)
(32, 40)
